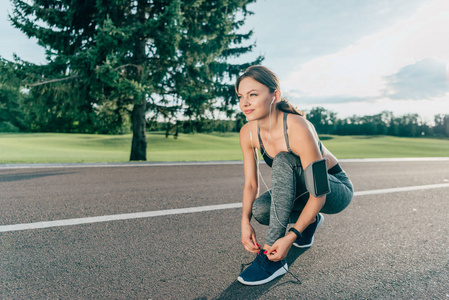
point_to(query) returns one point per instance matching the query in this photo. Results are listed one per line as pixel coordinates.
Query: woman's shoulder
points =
(297, 122)
(301, 127)
(248, 132)
(245, 129)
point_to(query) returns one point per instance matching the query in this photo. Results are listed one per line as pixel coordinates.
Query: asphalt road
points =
(389, 245)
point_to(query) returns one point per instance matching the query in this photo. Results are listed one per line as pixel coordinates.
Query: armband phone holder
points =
(316, 178)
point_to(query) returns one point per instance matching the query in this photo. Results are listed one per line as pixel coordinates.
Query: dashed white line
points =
(158, 213)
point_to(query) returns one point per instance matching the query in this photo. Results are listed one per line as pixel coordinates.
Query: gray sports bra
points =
(267, 158)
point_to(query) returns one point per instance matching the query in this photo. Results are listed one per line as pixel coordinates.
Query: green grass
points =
(57, 147)
(385, 146)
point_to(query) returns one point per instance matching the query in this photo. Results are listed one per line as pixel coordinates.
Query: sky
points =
(357, 57)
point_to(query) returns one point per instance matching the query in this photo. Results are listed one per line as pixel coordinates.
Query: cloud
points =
(362, 69)
(425, 79)
(292, 32)
(317, 101)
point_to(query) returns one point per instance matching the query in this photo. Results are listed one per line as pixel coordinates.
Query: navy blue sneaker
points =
(306, 238)
(262, 270)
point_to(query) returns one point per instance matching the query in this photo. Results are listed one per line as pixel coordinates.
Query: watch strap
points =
(298, 234)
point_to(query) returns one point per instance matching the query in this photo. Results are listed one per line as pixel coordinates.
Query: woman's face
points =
(255, 99)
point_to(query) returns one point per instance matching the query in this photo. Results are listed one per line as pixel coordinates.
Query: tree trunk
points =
(139, 143)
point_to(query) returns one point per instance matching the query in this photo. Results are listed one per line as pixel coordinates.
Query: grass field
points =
(57, 147)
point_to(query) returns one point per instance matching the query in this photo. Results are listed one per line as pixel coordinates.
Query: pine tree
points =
(166, 56)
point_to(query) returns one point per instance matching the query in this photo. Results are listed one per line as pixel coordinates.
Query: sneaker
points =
(262, 270)
(306, 238)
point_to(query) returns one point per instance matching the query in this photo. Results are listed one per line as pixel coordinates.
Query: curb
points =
(198, 163)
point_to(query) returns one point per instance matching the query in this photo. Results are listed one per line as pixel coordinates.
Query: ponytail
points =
(285, 106)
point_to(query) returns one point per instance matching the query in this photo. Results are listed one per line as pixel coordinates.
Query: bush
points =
(8, 127)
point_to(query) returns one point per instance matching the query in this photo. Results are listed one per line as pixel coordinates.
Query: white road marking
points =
(402, 189)
(393, 159)
(157, 213)
(129, 216)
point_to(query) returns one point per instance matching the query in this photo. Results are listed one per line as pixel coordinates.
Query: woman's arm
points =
(250, 189)
(304, 142)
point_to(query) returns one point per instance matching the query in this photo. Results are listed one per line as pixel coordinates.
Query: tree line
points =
(384, 123)
(325, 122)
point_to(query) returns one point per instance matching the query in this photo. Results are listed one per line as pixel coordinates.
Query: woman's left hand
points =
(280, 249)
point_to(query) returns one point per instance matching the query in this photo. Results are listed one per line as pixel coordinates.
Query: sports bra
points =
(269, 160)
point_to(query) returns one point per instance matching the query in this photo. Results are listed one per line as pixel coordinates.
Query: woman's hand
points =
(249, 238)
(280, 248)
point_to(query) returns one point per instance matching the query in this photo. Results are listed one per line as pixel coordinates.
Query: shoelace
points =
(299, 281)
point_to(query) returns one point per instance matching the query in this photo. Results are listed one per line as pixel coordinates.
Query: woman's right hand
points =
(249, 238)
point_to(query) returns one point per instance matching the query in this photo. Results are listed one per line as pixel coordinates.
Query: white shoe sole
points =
(313, 237)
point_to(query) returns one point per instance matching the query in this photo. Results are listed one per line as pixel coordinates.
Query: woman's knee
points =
(337, 202)
(285, 158)
(261, 211)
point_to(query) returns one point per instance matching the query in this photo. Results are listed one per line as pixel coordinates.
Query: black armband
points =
(316, 178)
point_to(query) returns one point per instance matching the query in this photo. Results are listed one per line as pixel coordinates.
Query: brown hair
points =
(266, 77)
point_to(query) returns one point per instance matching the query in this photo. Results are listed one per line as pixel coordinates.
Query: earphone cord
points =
(256, 157)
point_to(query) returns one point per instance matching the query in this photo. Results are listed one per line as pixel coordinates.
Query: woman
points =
(289, 144)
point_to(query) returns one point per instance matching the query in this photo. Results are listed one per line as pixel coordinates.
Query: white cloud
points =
(360, 70)
(292, 32)
(425, 79)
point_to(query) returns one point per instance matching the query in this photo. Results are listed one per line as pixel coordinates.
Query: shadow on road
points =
(29, 175)
(239, 291)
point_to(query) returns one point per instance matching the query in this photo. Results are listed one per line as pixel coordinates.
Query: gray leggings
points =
(289, 196)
